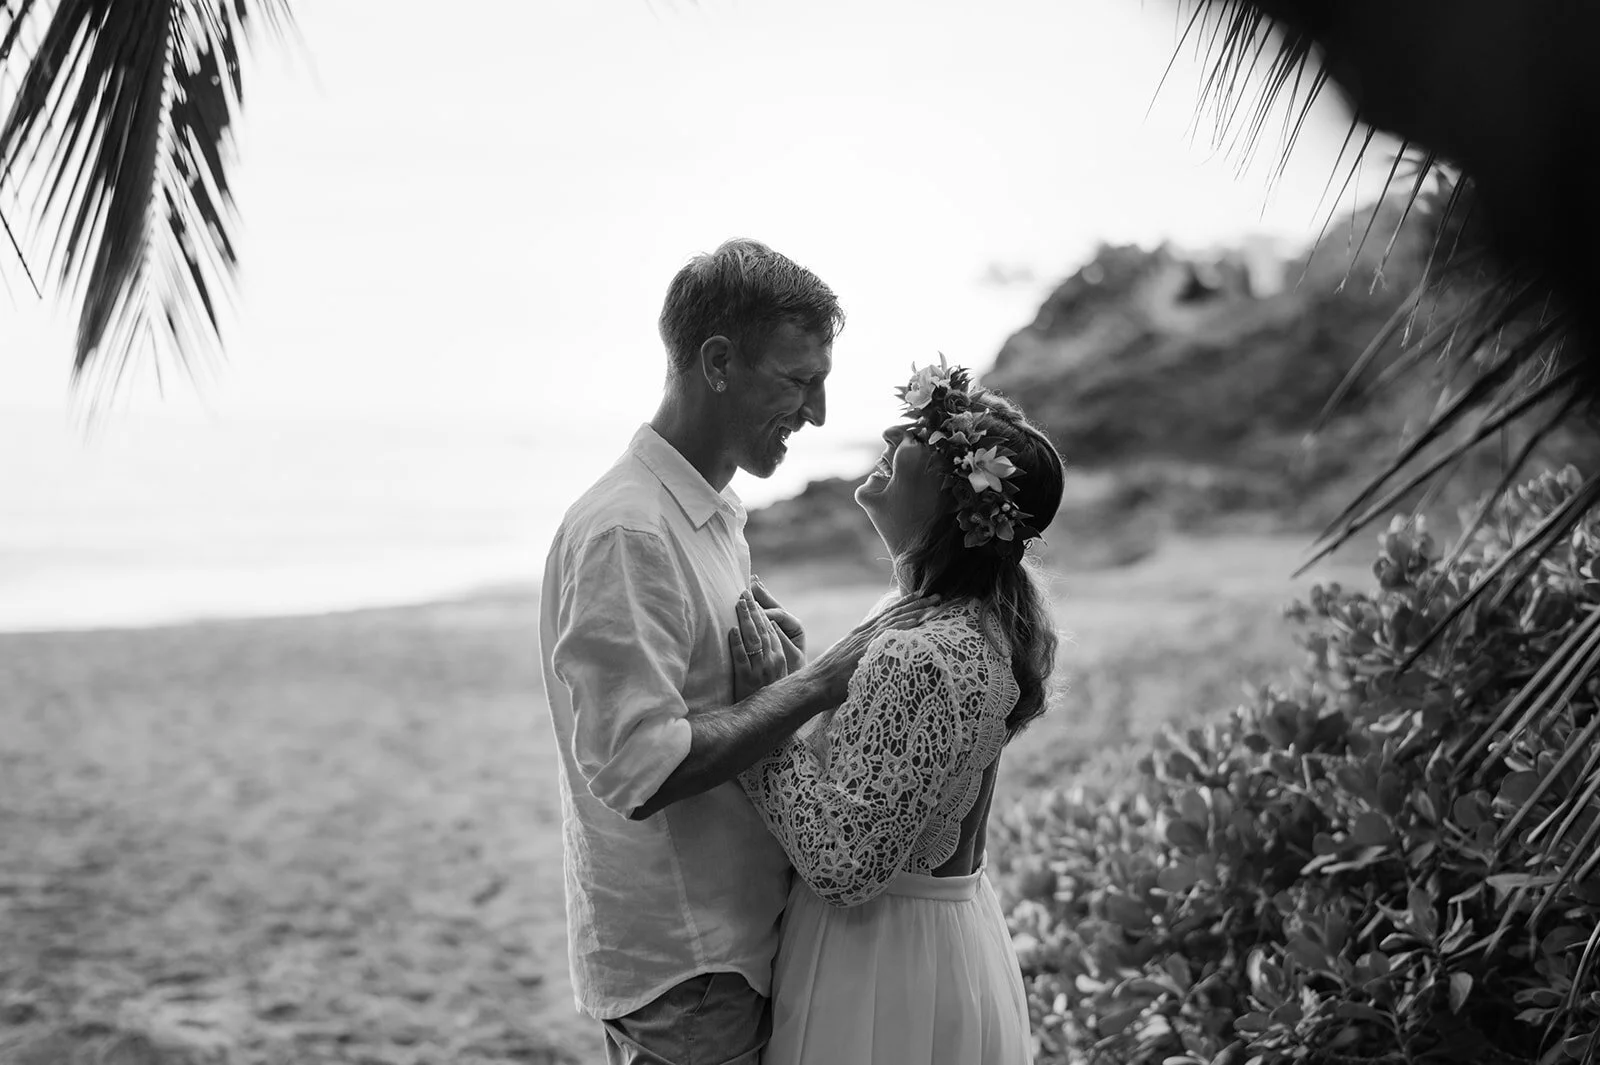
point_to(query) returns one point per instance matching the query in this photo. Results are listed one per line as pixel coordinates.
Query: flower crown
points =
(978, 467)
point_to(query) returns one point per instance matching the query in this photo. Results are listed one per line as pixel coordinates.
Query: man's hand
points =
(789, 627)
(835, 665)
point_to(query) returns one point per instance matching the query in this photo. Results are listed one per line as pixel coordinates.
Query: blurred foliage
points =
(1364, 863)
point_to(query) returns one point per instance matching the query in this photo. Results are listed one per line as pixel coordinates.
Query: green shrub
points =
(1311, 878)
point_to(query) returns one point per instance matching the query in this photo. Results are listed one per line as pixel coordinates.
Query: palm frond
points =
(120, 131)
(16, 248)
(1427, 169)
(1246, 35)
(1360, 512)
(1554, 671)
(1567, 816)
(1591, 953)
(1432, 473)
(1494, 313)
(1398, 321)
(1560, 690)
(1585, 849)
(1508, 477)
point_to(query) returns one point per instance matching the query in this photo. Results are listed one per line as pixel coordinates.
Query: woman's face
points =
(904, 493)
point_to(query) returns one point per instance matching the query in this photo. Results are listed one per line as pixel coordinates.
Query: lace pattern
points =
(902, 763)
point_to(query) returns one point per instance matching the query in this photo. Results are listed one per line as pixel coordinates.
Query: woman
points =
(894, 947)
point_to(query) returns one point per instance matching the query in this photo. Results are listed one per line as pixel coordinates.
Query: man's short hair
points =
(744, 291)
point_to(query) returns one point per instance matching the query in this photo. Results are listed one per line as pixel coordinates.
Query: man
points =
(674, 888)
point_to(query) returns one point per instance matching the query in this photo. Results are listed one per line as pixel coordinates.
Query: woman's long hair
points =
(1000, 581)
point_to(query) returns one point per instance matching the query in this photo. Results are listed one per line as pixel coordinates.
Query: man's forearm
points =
(728, 740)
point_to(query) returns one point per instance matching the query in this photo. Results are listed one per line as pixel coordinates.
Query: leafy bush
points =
(1321, 876)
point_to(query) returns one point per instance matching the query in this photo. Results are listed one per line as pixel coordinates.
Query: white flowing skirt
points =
(924, 974)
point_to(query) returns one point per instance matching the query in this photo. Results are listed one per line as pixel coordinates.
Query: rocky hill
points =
(1181, 388)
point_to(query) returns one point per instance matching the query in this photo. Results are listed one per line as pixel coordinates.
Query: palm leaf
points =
(1239, 30)
(1507, 572)
(1429, 474)
(1554, 670)
(1568, 812)
(1583, 661)
(1494, 318)
(121, 119)
(1571, 871)
(16, 248)
(1508, 477)
(1358, 514)
(1402, 316)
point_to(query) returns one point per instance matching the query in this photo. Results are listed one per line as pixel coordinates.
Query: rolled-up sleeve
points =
(622, 650)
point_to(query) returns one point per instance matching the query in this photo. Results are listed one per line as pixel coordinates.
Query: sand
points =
(336, 838)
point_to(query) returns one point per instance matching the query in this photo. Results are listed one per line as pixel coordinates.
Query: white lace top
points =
(903, 760)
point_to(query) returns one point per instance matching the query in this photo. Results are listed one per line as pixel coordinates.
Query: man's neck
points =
(686, 429)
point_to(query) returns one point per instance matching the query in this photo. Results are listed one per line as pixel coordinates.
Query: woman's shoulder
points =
(968, 650)
(963, 630)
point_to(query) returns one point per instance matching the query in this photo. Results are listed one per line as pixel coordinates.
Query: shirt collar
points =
(697, 498)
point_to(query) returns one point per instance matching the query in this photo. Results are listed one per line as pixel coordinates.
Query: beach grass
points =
(337, 838)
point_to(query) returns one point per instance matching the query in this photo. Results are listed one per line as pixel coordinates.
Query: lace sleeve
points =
(848, 825)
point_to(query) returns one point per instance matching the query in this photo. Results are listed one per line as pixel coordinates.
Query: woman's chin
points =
(867, 498)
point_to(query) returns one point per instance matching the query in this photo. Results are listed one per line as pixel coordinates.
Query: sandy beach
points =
(336, 838)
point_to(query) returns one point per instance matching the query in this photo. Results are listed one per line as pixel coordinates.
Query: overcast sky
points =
(475, 216)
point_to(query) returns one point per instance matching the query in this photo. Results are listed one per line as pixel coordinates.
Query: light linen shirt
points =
(638, 597)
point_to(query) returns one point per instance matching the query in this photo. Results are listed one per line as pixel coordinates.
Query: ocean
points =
(155, 519)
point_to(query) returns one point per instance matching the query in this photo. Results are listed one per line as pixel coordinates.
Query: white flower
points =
(986, 468)
(919, 393)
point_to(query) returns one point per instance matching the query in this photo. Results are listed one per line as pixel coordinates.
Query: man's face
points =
(777, 390)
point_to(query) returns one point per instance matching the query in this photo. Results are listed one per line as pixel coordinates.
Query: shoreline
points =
(1178, 566)
(494, 591)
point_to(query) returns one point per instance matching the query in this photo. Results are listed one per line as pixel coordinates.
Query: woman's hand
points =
(791, 632)
(837, 663)
(757, 647)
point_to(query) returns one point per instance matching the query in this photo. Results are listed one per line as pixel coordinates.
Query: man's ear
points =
(716, 361)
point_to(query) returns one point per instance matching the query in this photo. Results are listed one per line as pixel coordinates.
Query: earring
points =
(720, 385)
